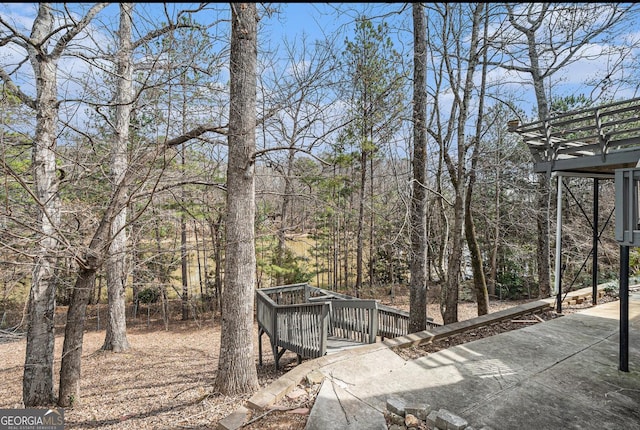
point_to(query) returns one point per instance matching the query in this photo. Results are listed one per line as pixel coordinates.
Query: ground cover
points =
(166, 380)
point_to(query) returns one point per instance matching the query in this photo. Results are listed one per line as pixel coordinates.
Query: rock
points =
(296, 393)
(396, 419)
(299, 411)
(397, 427)
(420, 411)
(431, 419)
(396, 406)
(412, 421)
(450, 421)
(458, 423)
(235, 420)
(315, 377)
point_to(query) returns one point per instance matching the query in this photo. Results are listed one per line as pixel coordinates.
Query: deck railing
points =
(394, 322)
(355, 320)
(303, 328)
(300, 318)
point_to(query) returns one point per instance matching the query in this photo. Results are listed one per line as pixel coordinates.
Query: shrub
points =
(148, 295)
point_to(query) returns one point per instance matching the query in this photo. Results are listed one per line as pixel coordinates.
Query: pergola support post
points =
(596, 235)
(558, 268)
(624, 309)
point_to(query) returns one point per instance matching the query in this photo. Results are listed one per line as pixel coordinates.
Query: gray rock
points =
(450, 421)
(396, 419)
(397, 427)
(396, 406)
(419, 410)
(235, 420)
(431, 419)
(457, 423)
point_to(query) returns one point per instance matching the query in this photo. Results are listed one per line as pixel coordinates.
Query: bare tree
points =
(418, 265)
(44, 47)
(127, 98)
(458, 61)
(91, 257)
(236, 366)
(116, 265)
(479, 280)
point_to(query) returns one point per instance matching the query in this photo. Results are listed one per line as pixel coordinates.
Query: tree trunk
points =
(454, 264)
(458, 169)
(201, 275)
(372, 223)
(418, 281)
(236, 367)
(116, 264)
(37, 383)
(184, 257)
(543, 254)
(284, 215)
(496, 229)
(91, 261)
(215, 227)
(479, 281)
(360, 230)
(73, 335)
(137, 269)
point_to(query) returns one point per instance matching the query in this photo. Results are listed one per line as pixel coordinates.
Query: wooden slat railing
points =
(355, 320)
(300, 328)
(299, 318)
(288, 294)
(303, 329)
(394, 322)
(266, 313)
(586, 132)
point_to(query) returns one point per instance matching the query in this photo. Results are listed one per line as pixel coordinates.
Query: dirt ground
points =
(166, 380)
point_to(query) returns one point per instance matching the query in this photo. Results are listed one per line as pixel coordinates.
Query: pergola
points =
(593, 143)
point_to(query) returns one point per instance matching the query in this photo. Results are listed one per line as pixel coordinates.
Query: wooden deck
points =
(312, 322)
(337, 344)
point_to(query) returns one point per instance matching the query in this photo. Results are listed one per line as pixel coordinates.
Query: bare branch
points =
(75, 30)
(16, 91)
(194, 133)
(289, 148)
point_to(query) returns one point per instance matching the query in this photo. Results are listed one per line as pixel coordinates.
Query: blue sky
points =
(317, 20)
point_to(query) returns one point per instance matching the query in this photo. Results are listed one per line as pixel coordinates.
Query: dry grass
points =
(164, 382)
